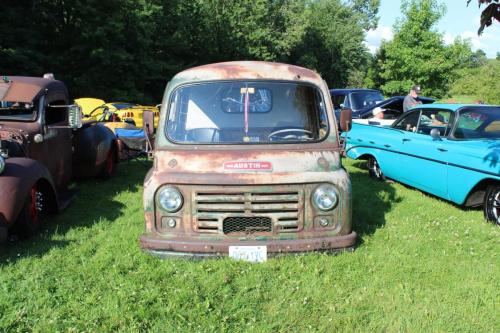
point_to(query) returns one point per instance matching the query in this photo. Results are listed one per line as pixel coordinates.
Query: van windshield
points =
(246, 112)
(17, 111)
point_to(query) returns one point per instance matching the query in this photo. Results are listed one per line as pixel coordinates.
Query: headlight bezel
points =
(320, 191)
(168, 191)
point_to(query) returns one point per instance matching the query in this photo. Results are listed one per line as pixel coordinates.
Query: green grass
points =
(422, 265)
(466, 99)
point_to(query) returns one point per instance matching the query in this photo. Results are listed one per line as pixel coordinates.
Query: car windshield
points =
(120, 106)
(362, 99)
(246, 113)
(478, 123)
(18, 111)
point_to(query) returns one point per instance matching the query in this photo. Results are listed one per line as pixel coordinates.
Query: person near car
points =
(378, 113)
(412, 98)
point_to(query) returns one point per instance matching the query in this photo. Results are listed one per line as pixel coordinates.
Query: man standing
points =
(412, 98)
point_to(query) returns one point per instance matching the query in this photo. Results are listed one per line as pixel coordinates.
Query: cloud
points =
(374, 37)
(489, 41)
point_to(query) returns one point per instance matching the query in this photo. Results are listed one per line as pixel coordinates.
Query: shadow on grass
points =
(372, 200)
(94, 204)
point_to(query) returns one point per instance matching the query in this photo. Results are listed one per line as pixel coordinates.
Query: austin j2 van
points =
(247, 164)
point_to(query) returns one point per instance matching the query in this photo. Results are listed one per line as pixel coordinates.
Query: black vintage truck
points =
(43, 146)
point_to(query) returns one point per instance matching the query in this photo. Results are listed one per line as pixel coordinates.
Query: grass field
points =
(460, 99)
(422, 265)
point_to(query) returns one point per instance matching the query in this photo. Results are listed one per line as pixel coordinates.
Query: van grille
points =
(236, 210)
(247, 225)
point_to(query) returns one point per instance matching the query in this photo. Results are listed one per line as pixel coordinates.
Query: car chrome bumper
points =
(196, 248)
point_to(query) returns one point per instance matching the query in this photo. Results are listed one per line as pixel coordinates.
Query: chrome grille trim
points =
(284, 207)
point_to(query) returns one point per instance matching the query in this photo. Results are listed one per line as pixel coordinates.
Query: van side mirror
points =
(345, 120)
(74, 116)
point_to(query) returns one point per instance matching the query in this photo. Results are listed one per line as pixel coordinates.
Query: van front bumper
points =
(199, 248)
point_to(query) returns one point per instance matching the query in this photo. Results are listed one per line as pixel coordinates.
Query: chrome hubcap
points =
(375, 168)
(496, 206)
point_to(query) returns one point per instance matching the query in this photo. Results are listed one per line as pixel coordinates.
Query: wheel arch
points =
(20, 175)
(475, 197)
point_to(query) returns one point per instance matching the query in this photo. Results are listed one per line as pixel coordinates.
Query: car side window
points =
(409, 122)
(435, 119)
(337, 100)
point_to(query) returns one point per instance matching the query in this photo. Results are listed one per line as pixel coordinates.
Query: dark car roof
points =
(349, 90)
(26, 89)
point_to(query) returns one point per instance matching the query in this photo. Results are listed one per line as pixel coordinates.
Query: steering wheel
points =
(286, 130)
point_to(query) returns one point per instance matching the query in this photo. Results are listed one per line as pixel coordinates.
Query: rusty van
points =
(247, 163)
(43, 146)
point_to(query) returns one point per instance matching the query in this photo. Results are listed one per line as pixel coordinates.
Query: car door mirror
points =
(74, 116)
(342, 105)
(435, 134)
(345, 120)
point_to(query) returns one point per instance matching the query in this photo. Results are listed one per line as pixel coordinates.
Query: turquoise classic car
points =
(449, 150)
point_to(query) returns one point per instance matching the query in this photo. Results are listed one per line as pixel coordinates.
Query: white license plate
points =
(248, 253)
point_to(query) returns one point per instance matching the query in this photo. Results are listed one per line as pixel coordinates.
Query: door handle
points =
(442, 149)
(387, 146)
(372, 142)
(404, 140)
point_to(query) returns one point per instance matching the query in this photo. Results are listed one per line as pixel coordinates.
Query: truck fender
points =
(92, 145)
(16, 181)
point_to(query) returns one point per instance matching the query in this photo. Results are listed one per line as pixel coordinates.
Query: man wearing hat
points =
(412, 98)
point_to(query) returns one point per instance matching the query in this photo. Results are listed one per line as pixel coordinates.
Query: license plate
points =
(248, 253)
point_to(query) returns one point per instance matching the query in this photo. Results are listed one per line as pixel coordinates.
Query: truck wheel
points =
(374, 169)
(492, 204)
(29, 220)
(109, 167)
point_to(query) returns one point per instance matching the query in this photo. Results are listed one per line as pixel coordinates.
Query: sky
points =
(458, 21)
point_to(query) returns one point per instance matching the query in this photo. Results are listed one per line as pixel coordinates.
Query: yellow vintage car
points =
(89, 104)
(131, 113)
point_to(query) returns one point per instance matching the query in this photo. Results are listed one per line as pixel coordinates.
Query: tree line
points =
(127, 50)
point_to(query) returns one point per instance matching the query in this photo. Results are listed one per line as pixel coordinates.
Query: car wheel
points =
(492, 204)
(29, 220)
(110, 165)
(374, 169)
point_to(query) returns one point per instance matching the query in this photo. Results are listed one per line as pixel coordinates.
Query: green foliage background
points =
(481, 82)
(417, 54)
(129, 49)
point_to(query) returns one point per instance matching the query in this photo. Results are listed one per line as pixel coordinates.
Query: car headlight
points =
(2, 165)
(170, 199)
(325, 197)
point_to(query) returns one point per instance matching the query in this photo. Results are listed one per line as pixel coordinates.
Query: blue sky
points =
(458, 21)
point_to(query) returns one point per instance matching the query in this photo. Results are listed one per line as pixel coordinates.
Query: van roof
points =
(248, 70)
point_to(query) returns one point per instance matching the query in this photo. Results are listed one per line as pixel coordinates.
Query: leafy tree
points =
(478, 58)
(481, 82)
(128, 49)
(417, 53)
(332, 43)
(492, 11)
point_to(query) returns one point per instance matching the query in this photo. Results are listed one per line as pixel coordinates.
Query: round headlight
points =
(325, 197)
(2, 164)
(170, 199)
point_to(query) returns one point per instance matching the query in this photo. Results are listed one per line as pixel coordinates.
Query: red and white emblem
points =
(248, 166)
